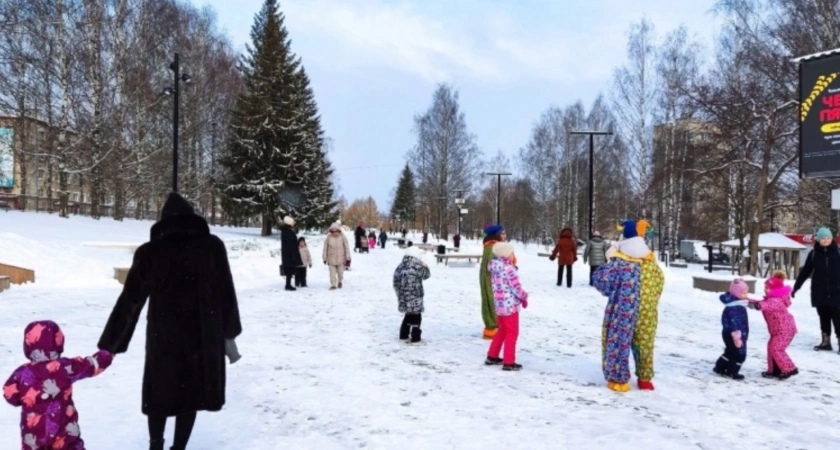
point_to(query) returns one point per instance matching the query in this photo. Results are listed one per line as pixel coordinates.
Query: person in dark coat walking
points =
(456, 240)
(383, 238)
(359, 235)
(823, 267)
(192, 318)
(289, 251)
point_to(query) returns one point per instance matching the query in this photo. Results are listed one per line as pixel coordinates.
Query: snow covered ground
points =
(325, 369)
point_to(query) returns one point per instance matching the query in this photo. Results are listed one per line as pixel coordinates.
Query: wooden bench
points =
(120, 273)
(446, 258)
(544, 254)
(5, 283)
(453, 249)
(17, 275)
(721, 285)
(427, 247)
(679, 265)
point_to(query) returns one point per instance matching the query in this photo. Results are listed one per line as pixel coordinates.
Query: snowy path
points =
(325, 370)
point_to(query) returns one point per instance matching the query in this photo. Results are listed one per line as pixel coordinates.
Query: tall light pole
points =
(498, 176)
(174, 91)
(459, 202)
(591, 170)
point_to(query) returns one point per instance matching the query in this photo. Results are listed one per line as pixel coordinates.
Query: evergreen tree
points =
(404, 198)
(276, 160)
(319, 207)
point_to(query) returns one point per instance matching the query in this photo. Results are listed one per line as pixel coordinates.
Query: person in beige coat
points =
(336, 255)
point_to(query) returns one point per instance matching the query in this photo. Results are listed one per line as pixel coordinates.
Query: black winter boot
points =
(825, 344)
(156, 444)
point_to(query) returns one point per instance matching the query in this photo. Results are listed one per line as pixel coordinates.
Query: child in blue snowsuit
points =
(736, 329)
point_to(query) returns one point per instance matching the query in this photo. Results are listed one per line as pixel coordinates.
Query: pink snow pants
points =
(777, 357)
(505, 336)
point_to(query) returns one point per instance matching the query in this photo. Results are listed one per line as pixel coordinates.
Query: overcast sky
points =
(375, 63)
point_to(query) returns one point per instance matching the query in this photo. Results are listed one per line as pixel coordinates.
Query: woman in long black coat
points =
(289, 251)
(184, 272)
(823, 267)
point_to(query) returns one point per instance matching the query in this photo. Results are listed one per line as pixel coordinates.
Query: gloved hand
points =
(325, 263)
(793, 294)
(524, 302)
(231, 351)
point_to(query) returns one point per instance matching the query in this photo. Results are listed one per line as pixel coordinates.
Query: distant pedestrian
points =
(336, 255)
(595, 253)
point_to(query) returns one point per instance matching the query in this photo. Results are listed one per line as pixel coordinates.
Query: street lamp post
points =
(459, 202)
(174, 91)
(498, 176)
(591, 170)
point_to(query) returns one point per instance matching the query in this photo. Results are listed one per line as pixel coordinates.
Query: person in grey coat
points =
(408, 284)
(595, 253)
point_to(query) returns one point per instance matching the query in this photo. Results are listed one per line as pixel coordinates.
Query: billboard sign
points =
(7, 158)
(819, 116)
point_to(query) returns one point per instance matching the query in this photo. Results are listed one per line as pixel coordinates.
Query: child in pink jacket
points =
(43, 388)
(780, 324)
(508, 296)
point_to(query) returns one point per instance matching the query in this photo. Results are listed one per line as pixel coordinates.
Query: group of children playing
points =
(509, 298)
(508, 295)
(780, 324)
(43, 387)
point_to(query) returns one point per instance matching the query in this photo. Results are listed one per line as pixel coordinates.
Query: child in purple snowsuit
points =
(736, 330)
(44, 389)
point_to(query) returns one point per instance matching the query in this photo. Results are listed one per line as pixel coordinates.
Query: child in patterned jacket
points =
(736, 329)
(43, 388)
(408, 284)
(780, 324)
(508, 297)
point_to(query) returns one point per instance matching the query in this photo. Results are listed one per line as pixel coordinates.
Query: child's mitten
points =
(736, 338)
(524, 302)
(231, 351)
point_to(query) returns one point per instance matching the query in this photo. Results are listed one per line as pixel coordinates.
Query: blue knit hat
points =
(493, 230)
(629, 229)
(823, 233)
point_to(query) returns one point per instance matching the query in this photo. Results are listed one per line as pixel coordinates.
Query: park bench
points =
(120, 273)
(427, 247)
(17, 275)
(5, 282)
(446, 258)
(712, 283)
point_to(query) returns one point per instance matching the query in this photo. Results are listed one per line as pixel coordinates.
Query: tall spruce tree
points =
(404, 198)
(318, 208)
(276, 161)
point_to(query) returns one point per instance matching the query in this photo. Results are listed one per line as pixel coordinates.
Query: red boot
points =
(645, 385)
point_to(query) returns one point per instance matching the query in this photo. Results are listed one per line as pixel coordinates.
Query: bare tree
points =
(634, 105)
(446, 156)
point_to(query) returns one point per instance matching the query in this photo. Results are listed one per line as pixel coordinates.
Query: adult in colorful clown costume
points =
(632, 282)
(492, 234)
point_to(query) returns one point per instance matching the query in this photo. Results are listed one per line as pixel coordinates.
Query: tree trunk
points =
(267, 224)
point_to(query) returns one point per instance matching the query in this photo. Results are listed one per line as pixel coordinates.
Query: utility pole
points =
(498, 176)
(591, 171)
